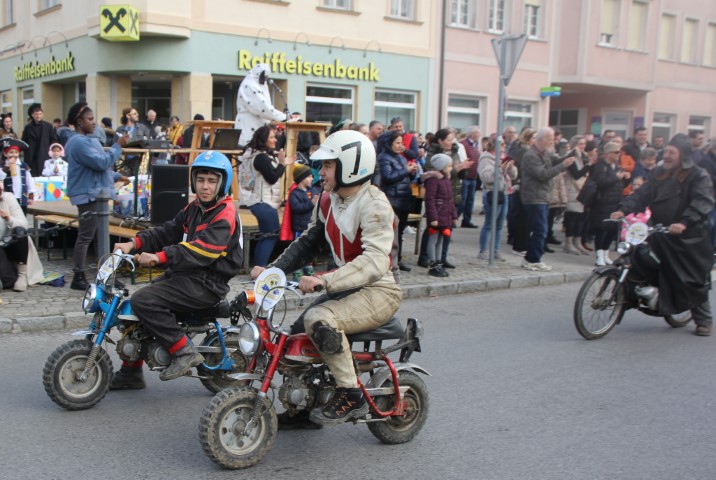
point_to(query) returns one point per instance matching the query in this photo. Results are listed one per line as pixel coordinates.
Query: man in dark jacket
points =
(680, 196)
(39, 135)
(202, 250)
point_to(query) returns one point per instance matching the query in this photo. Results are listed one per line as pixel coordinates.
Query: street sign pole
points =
(508, 50)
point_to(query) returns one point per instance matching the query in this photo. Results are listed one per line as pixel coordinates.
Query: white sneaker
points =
(482, 256)
(536, 267)
(499, 257)
(409, 230)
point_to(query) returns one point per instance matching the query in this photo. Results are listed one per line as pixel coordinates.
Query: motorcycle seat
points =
(219, 310)
(393, 330)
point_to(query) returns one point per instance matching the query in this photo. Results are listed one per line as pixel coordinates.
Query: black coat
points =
(38, 138)
(609, 194)
(395, 179)
(686, 259)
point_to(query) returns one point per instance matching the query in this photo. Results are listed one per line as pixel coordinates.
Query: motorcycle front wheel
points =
(222, 425)
(217, 380)
(402, 429)
(61, 376)
(679, 320)
(600, 304)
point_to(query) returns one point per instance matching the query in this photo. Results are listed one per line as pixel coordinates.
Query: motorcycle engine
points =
(300, 390)
(157, 356)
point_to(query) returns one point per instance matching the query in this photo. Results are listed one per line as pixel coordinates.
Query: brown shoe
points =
(703, 330)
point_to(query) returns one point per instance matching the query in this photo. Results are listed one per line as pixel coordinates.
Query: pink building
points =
(620, 64)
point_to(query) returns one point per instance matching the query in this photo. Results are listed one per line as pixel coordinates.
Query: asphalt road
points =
(516, 393)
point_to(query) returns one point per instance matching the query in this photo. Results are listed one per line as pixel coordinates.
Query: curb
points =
(78, 320)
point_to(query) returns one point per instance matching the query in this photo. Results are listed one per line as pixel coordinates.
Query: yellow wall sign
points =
(278, 63)
(119, 23)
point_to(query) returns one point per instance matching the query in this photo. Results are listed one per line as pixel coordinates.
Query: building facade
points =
(331, 59)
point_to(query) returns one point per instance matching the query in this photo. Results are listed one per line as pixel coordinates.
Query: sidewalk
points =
(44, 307)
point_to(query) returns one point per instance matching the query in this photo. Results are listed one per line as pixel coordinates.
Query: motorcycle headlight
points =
(623, 248)
(89, 301)
(249, 338)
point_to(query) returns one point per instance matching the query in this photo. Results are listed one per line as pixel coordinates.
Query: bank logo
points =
(118, 23)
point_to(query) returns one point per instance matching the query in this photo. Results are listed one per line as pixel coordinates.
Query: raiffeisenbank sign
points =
(280, 63)
(34, 69)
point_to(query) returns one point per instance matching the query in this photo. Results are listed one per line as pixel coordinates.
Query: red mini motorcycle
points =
(238, 427)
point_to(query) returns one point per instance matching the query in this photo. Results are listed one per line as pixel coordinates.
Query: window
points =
(396, 103)
(662, 125)
(6, 101)
(328, 103)
(462, 14)
(617, 121)
(637, 25)
(566, 120)
(688, 42)
(699, 124)
(710, 46)
(28, 97)
(497, 16)
(667, 37)
(8, 16)
(532, 17)
(519, 115)
(609, 23)
(463, 111)
(45, 4)
(338, 4)
(404, 9)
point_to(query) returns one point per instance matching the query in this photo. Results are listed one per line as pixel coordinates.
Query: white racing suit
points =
(361, 294)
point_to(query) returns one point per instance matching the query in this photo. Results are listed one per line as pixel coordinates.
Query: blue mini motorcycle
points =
(77, 374)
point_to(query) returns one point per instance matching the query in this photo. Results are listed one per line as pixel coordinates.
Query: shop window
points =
(637, 25)
(710, 46)
(329, 103)
(609, 23)
(403, 9)
(463, 13)
(532, 18)
(6, 101)
(688, 41)
(617, 121)
(667, 37)
(28, 98)
(699, 124)
(519, 115)
(496, 18)
(8, 15)
(662, 125)
(395, 103)
(338, 4)
(566, 120)
(464, 111)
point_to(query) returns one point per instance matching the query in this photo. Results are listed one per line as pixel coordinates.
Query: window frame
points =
(705, 128)
(495, 7)
(613, 37)
(693, 56)
(332, 5)
(330, 100)
(621, 129)
(396, 10)
(537, 24)
(710, 31)
(532, 116)
(6, 101)
(641, 47)
(669, 125)
(8, 13)
(456, 6)
(455, 110)
(670, 41)
(409, 125)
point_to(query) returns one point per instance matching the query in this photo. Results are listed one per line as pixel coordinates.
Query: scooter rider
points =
(680, 196)
(201, 249)
(356, 220)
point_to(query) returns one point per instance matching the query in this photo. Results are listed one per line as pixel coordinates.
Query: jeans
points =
(85, 234)
(487, 228)
(267, 217)
(537, 215)
(468, 200)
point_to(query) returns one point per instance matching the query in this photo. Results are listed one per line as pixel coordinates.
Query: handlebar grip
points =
(136, 260)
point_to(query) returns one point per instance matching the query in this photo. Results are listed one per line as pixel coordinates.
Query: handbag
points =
(588, 194)
(500, 197)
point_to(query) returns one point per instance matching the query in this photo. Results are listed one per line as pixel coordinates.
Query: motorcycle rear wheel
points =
(61, 372)
(402, 429)
(679, 320)
(599, 306)
(222, 423)
(217, 380)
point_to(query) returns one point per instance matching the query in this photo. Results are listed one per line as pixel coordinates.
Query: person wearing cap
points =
(680, 196)
(16, 177)
(39, 135)
(297, 212)
(610, 180)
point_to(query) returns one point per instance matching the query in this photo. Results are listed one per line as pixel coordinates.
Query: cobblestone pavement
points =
(44, 307)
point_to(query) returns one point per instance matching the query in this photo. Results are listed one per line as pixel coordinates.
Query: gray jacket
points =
(537, 172)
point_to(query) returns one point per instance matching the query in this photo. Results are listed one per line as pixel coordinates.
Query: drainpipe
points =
(441, 74)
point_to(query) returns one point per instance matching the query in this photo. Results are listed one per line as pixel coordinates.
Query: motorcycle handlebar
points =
(136, 260)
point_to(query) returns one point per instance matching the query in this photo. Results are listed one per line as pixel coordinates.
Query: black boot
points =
(127, 378)
(182, 361)
(437, 270)
(345, 404)
(79, 282)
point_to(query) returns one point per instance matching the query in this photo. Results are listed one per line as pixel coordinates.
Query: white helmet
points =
(354, 154)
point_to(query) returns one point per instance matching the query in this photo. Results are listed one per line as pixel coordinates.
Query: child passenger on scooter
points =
(201, 249)
(356, 220)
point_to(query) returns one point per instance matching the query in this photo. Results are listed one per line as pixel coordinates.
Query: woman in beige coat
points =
(574, 179)
(21, 251)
